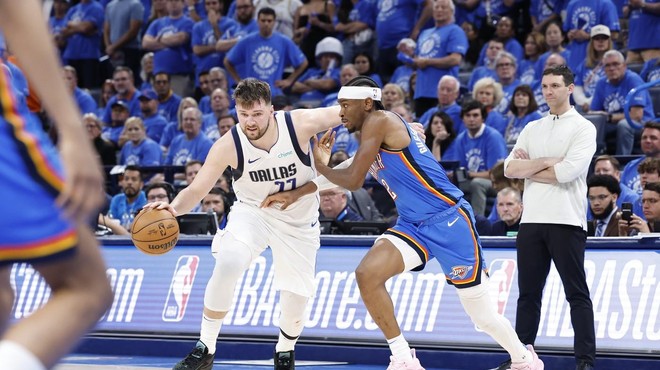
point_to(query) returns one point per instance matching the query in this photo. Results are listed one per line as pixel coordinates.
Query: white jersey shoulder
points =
(284, 167)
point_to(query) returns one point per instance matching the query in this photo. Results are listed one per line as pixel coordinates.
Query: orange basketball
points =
(155, 231)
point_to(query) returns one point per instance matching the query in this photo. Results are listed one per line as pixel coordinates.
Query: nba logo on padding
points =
(502, 272)
(180, 288)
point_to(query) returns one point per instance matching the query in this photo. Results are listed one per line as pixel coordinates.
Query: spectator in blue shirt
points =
(489, 93)
(205, 35)
(491, 49)
(554, 42)
(524, 110)
(139, 150)
(124, 206)
(534, 47)
(193, 144)
(610, 99)
(650, 144)
(644, 28)
(154, 123)
(440, 51)
(317, 82)
(581, 16)
(504, 31)
(168, 101)
(57, 22)
(477, 149)
(506, 66)
(448, 89)
(118, 116)
(169, 39)
(85, 102)
(265, 54)
(219, 108)
(356, 23)
(651, 70)
(175, 128)
(124, 85)
(84, 24)
(591, 70)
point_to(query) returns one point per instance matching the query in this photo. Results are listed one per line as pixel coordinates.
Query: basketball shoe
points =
(198, 359)
(284, 360)
(405, 365)
(536, 364)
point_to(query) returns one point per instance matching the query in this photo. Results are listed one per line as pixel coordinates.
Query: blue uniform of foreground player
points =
(46, 204)
(434, 221)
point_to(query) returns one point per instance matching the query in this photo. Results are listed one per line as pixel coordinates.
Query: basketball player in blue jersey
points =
(45, 204)
(434, 221)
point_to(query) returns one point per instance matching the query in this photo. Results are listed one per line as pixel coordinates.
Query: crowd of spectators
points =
(154, 78)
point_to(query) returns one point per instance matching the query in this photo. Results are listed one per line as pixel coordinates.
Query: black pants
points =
(538, 245)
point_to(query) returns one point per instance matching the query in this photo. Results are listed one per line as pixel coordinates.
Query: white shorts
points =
(294, 247)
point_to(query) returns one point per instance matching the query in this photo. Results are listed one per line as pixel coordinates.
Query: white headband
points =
(359, 92)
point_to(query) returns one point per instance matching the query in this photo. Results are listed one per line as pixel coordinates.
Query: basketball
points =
(155, 231)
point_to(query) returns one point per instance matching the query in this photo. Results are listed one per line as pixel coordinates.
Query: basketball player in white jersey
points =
(271, 152)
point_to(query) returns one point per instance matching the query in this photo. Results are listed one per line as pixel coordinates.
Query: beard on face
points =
(605, 213)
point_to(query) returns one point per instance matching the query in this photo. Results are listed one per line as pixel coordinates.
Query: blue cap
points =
(149, 94)
(120, 103)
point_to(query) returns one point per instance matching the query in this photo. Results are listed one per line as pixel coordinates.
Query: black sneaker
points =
(198, 359)
(584, 366)
(284, 361)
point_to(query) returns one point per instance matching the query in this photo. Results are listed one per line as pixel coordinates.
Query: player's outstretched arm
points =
(310, 122)
(81, 194)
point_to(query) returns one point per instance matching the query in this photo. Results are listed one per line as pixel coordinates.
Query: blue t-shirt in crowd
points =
(479, 73)
(630, 176)
(85, 102)
(170, 133)
(395, 20)
(145, 153)
(582, 15)
(84, 46)
(401, 77)
(517, 124)
(651, 70)
(543, 9)
(266, 58)
(453, 111)
(438, 42)
(172, 60)
(588, 77)
(121, 210)
(133, 106)
(540, 63)
(611, 98)
(477, 154)
(155, 125)
(204, 35)
(497, 121)
(183, 150)
(526, 72)
(511, 45)
(317, 73)
(169, 107)
(644, 29)
(503, 106)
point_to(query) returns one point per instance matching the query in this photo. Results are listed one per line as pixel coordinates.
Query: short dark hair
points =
(472, 105)
(605, 181)
(132, 167)
(193, 162)
(368, 82)
(652, 186)
(649, 165)
(123, 69)
(446, 121)
(169, 189)
(250, 91)
(563, 71)
(531, 107)
(266, 11)
(651, 125)
(162, 73)
(611, 159)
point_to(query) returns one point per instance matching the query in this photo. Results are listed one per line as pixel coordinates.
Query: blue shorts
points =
(451, 238)
(32, 227)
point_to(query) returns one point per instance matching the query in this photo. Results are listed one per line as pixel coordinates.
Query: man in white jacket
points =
(553, 156)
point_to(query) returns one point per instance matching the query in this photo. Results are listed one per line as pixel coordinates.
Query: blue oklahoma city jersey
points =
(434, 220)
(416, 182)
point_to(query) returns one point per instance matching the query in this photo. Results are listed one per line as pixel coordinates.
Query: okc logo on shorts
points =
(502, 272)
(180, 288)
(460, 272)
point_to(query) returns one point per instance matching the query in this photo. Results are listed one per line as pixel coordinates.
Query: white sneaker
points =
(405, 365)
(536, 364)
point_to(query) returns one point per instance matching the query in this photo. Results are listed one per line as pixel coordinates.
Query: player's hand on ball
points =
(323, 146)
(160, 205)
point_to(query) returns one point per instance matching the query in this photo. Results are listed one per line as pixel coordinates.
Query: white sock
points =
(16, 357)
(292, 320)
(209, 332)
(400, 348)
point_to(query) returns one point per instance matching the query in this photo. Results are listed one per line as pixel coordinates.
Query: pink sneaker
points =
(536, 364)
(407, 365)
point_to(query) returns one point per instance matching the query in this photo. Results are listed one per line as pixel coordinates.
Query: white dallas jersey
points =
(261, 173)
